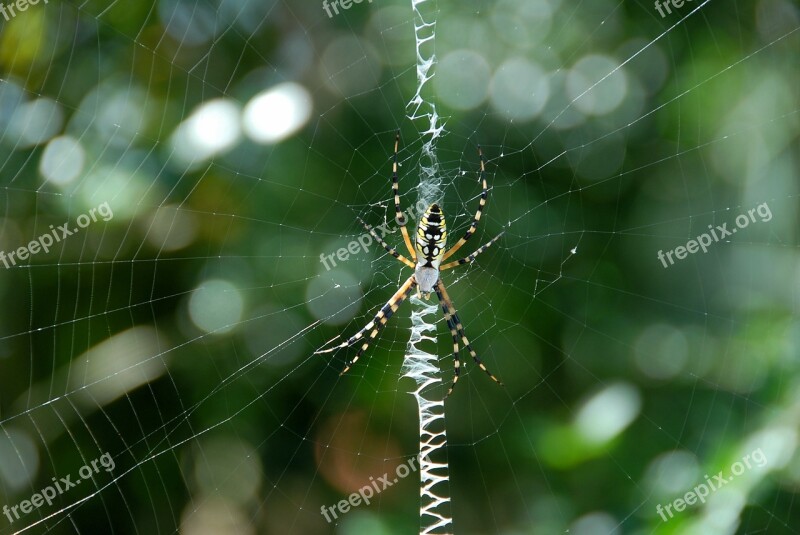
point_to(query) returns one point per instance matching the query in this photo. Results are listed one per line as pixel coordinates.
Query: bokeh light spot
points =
(349, 66)
(215, 517)
(211, 129)
(522, 23)
(519, 89)
(661, 351)
(216, 306)
(594, 524)
(277, 113)
(169, 228)
(604, 97)
(608, 413)
(35, 122)
(63, 160)
(187, 21)
(673, 472)
(19, 459)
(462, 79)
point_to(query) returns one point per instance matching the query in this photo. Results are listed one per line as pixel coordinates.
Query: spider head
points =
(431, 237)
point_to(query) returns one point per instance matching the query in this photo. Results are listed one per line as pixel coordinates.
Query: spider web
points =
(238, 142)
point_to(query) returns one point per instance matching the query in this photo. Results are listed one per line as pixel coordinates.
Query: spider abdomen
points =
(431, 237)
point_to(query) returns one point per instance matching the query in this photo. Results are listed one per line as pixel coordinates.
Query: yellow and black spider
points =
(430, 244)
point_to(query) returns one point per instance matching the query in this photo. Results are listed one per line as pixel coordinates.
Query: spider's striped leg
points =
(360, 334)
(442, 293)
(391, 250)
(451, 325)
(470, 258)
(377, 324)
(383, 316)
(482, 203)
(399, 216)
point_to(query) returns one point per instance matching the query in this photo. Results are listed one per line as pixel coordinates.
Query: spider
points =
(430, 243)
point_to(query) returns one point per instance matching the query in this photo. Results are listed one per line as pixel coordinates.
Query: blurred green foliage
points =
(178, 335)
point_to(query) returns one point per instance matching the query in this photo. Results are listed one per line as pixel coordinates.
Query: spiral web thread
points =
(419, 364)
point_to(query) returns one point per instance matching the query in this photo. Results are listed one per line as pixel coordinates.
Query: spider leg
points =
(441, 292)
(398, 213)
(376, 325)
(391, 250)
(482, 203)
(451, 325)
(470, 258)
